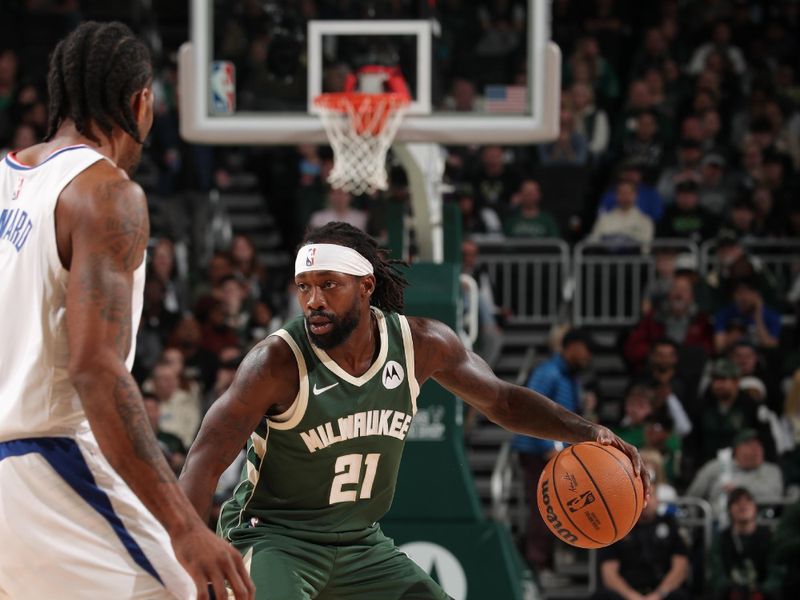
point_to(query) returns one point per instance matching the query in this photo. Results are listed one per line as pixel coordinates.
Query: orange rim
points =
(339, 101)
(370, 111)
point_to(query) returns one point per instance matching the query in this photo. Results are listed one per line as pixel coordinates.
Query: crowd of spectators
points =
(683, 119)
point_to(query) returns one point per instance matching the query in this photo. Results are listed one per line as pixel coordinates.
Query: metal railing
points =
(469, 324)
(528, 276)
(609, 288)
(537, 279)
(696, 514)
(506, 485)
(780, 259)
(770, 511)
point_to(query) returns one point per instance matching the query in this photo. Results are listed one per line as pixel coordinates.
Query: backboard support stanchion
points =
(424, 165)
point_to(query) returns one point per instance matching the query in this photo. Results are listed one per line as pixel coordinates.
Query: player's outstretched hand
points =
(603, 435)
(212, 561)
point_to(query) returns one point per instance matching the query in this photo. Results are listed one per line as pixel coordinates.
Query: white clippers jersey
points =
(36, 396)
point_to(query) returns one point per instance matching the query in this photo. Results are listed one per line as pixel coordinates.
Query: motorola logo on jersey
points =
(393, 375)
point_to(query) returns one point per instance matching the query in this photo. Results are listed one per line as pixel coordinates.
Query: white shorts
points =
(71, 528)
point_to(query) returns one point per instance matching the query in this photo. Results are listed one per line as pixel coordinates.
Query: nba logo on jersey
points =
(223, 87)
(311, 257)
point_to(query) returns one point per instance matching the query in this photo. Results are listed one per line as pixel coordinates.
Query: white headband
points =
(331, 257)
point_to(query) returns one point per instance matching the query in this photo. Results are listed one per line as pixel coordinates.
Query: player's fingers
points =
(238, 578)
(647, 485)
(201, 581)
(639, 468)
(645, 476)
(632, 453)
(247, 581)
(605, 437)
(218, 585)
(636, 460)
(239, 587)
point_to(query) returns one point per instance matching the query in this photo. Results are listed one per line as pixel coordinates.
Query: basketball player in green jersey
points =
(326, 404)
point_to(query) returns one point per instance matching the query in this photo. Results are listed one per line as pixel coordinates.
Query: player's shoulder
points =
(104, 186)
(271, 358)
(104, 196)
(436, 347)
(269, 371)
(272, 346)
(430, 332)
(105, 213)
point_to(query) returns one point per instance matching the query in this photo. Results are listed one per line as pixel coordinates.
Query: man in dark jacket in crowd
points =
(685, 218)
(740, 556)
(725, 412)
(650, 562)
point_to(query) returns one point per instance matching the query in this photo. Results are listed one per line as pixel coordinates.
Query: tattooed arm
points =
(102, 230)
(108, 243)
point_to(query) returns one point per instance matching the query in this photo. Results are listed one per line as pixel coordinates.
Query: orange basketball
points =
(589, 496)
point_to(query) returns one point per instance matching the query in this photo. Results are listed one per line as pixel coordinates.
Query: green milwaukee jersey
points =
(330, 462)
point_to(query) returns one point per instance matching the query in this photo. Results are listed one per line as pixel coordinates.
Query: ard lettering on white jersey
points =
(36, 396)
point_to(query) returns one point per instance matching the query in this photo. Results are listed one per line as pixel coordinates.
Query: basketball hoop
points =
(360, 127)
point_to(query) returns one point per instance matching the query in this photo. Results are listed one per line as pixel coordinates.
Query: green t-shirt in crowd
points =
(634, 435)
(542, 225)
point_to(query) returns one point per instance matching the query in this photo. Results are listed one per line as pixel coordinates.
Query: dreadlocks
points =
(93, 73)
(389, 283)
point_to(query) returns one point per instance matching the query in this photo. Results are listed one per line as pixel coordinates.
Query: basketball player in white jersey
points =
(89, 508)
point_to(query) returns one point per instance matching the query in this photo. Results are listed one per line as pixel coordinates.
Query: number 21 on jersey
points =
(348, 473)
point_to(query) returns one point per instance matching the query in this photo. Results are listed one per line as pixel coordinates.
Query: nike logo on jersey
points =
(318, 391)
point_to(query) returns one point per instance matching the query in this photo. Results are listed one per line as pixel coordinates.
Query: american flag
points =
(512, 99)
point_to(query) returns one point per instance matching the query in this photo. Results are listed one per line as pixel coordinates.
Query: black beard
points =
(342, 327)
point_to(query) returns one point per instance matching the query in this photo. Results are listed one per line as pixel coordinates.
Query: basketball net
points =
(361, 126)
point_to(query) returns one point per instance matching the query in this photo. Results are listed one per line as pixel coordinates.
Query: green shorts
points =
(295, 565)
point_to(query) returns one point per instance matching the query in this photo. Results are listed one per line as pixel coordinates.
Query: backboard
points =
(478, 72)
